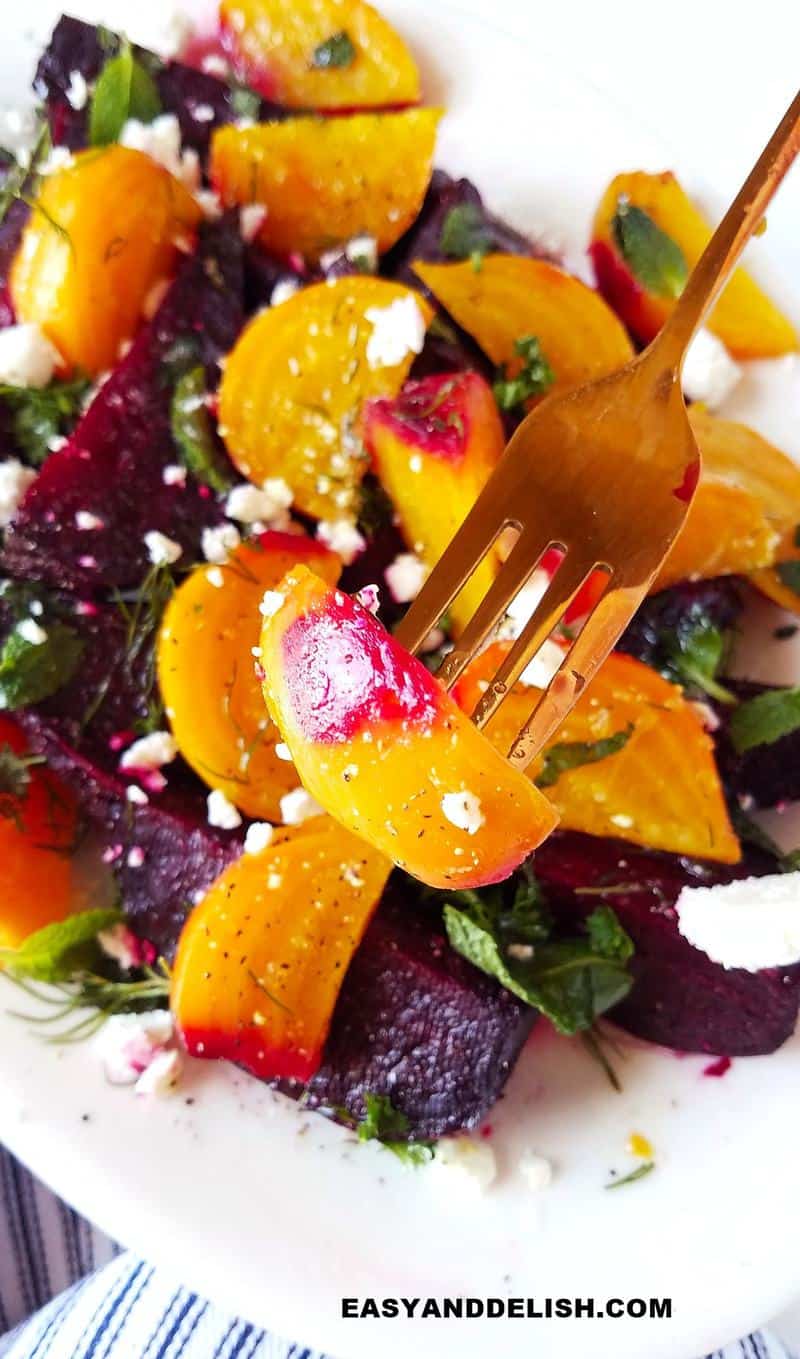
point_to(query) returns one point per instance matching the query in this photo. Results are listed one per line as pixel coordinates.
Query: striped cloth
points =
(70, 1293)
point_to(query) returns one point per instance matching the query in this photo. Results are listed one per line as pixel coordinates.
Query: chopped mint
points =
(30, 672)
(41, 415)
(464, 234)
(336, 53)
(654, 259)
(568, 755)
(124, 89)
(383, 1123)
(532, 379)
(193, 432)
(765, 719)
(57, 952)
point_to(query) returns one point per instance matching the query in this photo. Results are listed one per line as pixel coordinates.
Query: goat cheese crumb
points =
(253, 504)
(342, 537)
(15, 479)
(161, 1075)
(369, 597)
(150, 752)
(752, 923)
(128, 1043)
(258, 837)
(161, 141)
(271, 601)
(709, 373)
(283, 290)
(27, 358)
(405, 577)
(298, 806)
(283, 752)
(203, 113)
(251, 220)
(464, 811)
(215, 577)
(474, 1162)
(77, 91)
(540, 670)
(174, 474)
(218, 543)
(536, 1171)
(31, 631)
(136, 795)
(135, 857)
(397, 330)
(57, 158)
(221, 811)
(85, 521)
(121, 944)
(161, 550)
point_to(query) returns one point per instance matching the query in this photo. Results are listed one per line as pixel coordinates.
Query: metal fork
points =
(606, 473)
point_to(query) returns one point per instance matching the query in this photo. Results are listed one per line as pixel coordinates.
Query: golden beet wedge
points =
(262, 957)
(326, 180)
(207, 670)
(295, 382)
(103, 232)
(381, 745)
(320, 54)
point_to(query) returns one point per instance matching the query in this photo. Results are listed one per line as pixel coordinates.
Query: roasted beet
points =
(680, 999)
(113, 463)
(719, 602)
(765, 775)
(11, 229)
(78, 46)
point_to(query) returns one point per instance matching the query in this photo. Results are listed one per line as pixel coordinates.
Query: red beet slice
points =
(680, 998)
(765, 775)
(113, 462)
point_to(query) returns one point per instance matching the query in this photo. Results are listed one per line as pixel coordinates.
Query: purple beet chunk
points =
(11, 229)
(114, 460)
(77, 46)
(680, 998)
(416, 1022)
(720, 601)
(766, 775)
(182, 853)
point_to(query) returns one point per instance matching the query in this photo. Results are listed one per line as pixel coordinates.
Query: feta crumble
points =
(77, 91)
(536, 1171)
(27, 358)
(215, 577)
(57, 158)
(283, 752)
(397, 331)
(542, 667)
(253, 504)
(342, 537)
(121, 944)
(463, 810)
(161, 1075)
(473, 1162)
(174, 474)
(161, 550)
(31, 631)
(709, 373)
(86, 522)
(221, 811)
(752, 923)
(405, 577)
(251, 219)
(369, 597)
(271, 602)
(128, 1043)
(15, 479)
(298, 806)
(161, 141)
(136, 795)
(259, 836)
(283, 290)
(218, 543)
(150, 752)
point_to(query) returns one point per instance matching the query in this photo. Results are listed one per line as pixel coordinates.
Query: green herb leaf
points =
(533, 378)
(573, 754)
(15, 779)
(383, 1123)
(124, 89)
(40, 415)
(789, 573)
(695, 652)
(19, 176)
(464, 234)
(337, 52)
(245, 103)
(654, 259)
(30, 673)
(193, 432)
(751, 832)
(762, 720)
(56, 952)
(637, 1174)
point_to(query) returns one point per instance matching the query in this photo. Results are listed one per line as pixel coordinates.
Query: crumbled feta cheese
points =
(283, 752)
(167, 30)
(474, 1162)
(57, 158)
(203, 113)
(121, 944)
(128, 1043)
(77, 90)
(85, 521)
(31, 631)
(397, 331)
(162, 1074)
(218, 543)
(752, 923)
(536, 1171)
(150, 752)
(161, 141)
(15, 479)
(251, 504)
(136, 795)
(215, 577)
(523, 604)
(363, 250)
(464, 811)
(210, 204)
(27, 358)
(369, 597)
(705, 713)
(136, 857)
(221, 811)
(342, 537)
(542, 667)
(405, 577)
(174, 475)
(298, 806)
(709, 373)
(258, 837)
(283, 290)
(161, 550)
(622, 820)
(216, 65)
(415, 462)
(251, 219)
(271, 601)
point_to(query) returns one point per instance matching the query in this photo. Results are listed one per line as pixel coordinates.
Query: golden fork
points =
(606, 473)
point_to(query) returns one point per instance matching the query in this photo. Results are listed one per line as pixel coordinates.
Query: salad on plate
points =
(258, 358)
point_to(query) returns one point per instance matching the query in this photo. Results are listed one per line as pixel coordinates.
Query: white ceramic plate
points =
(278, 1215)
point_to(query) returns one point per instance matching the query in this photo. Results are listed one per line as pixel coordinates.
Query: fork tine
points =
(515, 571)
(596, 639)
(562, 590)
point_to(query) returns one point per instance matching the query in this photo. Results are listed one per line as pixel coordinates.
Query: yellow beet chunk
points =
(320, 54)
(326, 180)
(293, 386)
(104, 230)
(510, 297)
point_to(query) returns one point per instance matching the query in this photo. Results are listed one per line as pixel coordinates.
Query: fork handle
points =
(731, 236)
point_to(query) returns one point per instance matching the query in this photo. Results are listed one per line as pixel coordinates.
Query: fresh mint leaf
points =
(533, 378)
(41, 415)
(464, 234)
(567, 755)
(31, 672)
(695, 653)
(335, 53)
(15, 779)
(654, 259)
(751, 832)
(193, 432)
(383, 1123)
(245, 103)
(765, 719)
(789, 573)
(124, 89)
(57, 952)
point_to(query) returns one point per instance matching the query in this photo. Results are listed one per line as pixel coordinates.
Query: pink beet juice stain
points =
(431, 413)
(718, 1068)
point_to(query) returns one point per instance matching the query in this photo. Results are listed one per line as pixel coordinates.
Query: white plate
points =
(277, 1215)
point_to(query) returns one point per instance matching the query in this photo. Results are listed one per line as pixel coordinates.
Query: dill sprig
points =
(102, 997)
(141, 611)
